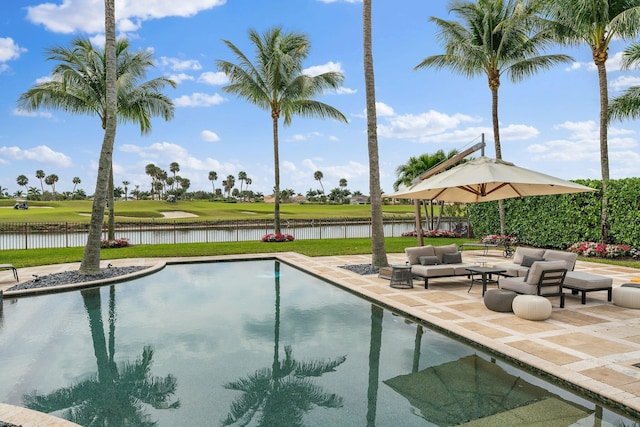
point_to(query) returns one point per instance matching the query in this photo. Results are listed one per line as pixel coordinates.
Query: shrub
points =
(272, 237)
(116, 243)
(493, 239)
(432, 233)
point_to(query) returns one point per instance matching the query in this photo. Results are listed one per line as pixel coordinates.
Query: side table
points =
(401, 277)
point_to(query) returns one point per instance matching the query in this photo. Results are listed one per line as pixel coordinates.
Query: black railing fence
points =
(30, 235)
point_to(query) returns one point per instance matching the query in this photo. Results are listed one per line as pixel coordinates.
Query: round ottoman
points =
(532, 307)
(499, 300)
(627, 296)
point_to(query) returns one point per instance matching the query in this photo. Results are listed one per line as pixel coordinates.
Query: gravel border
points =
(73, 277)
(362, 269)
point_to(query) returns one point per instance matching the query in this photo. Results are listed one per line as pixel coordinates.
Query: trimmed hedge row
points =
(561, 220)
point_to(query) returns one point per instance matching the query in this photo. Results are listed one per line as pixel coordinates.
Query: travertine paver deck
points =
(593, 346)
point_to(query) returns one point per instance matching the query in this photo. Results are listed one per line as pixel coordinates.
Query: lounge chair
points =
(545, 278)
(505, 242)
(10, 267)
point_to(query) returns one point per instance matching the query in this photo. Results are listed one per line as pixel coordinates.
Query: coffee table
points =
(401, 277)
(486, 276)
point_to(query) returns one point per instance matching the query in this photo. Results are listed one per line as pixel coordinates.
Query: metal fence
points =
(30, 235)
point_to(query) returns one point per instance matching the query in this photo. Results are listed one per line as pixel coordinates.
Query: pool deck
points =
(594, 347)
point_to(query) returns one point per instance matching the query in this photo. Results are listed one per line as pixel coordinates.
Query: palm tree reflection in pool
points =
(115, 395)
(284, 392)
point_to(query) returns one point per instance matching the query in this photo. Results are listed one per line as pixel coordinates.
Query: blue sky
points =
(549, 122)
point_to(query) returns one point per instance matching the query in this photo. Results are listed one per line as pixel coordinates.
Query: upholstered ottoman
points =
(579, 281)
(627, 295)
(532, 307)
(499, 300)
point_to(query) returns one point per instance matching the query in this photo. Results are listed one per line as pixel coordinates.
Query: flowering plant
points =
(431, 233)
(116, 243)
(277, 237)
(603, 250)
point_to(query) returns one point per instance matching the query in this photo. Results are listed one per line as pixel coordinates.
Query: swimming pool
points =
(207, 344)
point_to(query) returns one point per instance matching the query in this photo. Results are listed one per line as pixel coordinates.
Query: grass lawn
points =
(80, 210)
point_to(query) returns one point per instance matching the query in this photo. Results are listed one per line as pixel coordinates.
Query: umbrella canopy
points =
(484, 179)
(472, 388)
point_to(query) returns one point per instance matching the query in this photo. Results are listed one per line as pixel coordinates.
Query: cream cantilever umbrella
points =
(484, 179)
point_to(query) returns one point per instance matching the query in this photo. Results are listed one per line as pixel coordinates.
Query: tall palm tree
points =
(276, 83)
(51, 180)
(23, 181)
(213, 176)
(40, 175)
(317, 175)
(174, 167)
(242, 176)
(229, 183)
(79, 86)
(596, 23)
(76, 180)
(126, 189)
(494, 37)
(378, 248)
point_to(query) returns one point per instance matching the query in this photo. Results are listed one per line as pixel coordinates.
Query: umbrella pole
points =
(416, 205)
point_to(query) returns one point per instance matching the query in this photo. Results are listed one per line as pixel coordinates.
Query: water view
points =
(257, 343)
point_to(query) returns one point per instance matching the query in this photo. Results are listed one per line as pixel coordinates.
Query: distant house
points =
(359, 200)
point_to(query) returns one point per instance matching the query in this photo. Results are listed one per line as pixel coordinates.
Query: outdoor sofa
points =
(430, 262)
(544, 278)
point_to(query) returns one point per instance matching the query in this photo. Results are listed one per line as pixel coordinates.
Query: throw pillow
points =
(527, 261)
(429, 260)
(455, 258)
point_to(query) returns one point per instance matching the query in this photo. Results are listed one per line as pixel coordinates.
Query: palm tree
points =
(213, 176)
(627, 105)
(136, 191)
(76, 180)
(228, 184)
(317, 175)
(174, 167)
(23, 181)
(596, 24)
(494, 37)
(275, 83)
(126, 189)
(378, 248)
(80, 86)
(40, 175)
(51, 180)
(152, 171)
(242, 176)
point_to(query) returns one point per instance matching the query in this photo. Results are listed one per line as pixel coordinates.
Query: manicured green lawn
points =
(79, 210)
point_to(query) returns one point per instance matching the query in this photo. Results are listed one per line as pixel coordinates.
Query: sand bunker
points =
(178, 214)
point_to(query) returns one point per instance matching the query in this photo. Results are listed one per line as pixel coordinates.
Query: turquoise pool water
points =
(261, 343)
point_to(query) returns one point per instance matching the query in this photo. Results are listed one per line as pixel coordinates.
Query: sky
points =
(549, 122)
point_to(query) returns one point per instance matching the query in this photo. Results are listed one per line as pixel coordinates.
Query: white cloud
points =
(41, 154)
(624, 82)
(213, 78)
(198, 100)
(382, 110)
(25, 113)
(345, 91)
(179, 64)
(88, 15)
(180, 77)
(9, 50)
(421, 126)
(316, 70)
(209, 136)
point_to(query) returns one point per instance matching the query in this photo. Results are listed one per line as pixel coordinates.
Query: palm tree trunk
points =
(111, 233)
(496, 138)
(378, 249)
(604, 148)
(91, 258)
(276, 168)
(375, 344)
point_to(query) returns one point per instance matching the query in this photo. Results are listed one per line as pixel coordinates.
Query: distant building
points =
(359, 200)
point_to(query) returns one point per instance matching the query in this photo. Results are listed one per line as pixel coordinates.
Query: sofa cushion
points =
(448, 249)
(527, 260)
(522, 251)
(414, 253)
(429, 260)
(511, 269)
(454, 258)
(568, 257)
(539, 266)
(433, 270)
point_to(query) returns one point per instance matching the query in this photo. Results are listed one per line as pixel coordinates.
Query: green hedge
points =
(561, 220)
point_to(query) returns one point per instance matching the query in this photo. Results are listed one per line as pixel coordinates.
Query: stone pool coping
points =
(592, 348)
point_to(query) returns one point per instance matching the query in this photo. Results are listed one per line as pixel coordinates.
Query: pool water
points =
(257, 343)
